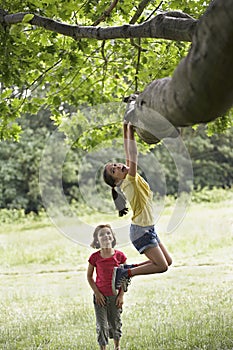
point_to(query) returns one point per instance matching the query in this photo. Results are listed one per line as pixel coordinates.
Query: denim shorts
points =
(143, 237)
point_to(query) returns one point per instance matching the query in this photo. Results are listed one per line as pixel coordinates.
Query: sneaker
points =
(120, 279)
(125, 283)
(126, 266)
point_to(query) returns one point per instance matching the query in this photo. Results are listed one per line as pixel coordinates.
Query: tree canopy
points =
(57, 55)
(72, 65)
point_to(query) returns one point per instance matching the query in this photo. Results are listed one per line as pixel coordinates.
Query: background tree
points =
(20, 163)
(212, 161)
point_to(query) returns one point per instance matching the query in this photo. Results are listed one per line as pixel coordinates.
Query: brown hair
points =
(95, 244)
(117, 195)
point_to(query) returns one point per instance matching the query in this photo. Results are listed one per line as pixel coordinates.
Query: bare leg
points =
(103, 347)
(166, 254)
(117, 344)
(159, 260)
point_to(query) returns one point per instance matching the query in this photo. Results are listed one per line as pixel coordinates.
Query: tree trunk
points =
(201, 88)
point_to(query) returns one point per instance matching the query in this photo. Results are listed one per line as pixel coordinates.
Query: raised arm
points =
(125, 136)
(130, 146)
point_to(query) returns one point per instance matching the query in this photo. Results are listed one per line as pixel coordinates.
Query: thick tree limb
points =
(161, 26)
(201, 88)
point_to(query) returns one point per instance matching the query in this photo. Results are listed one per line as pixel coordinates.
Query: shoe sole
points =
(124, 285)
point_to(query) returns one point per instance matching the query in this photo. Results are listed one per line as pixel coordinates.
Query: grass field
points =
(46, 303)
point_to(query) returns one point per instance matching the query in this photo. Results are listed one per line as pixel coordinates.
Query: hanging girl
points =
(125, 178)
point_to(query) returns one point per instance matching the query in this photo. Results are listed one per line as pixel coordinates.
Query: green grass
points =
(46, 303)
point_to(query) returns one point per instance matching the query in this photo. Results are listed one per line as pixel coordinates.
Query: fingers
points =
(100, 300)
(119, 303)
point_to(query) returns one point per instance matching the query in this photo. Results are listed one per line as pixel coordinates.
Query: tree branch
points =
(201, 88)
(161, 26)
(106, 13)
(139, 11)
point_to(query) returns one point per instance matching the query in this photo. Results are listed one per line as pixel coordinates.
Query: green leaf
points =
(7, 93)
(27, 18)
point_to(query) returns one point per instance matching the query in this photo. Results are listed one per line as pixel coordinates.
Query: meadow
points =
(46, 303)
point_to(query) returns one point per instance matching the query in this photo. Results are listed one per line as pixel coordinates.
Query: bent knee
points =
(164, 268)
(161, 267)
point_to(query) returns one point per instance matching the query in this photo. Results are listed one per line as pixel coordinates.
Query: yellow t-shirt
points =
(139, 195)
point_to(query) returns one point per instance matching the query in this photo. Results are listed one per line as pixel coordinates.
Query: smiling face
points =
(117, 171)
(102, 235)
(105, 237)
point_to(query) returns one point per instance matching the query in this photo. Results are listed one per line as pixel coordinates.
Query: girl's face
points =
(105, 237)
(118, 171)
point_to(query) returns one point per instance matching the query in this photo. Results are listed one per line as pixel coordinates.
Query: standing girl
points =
(108, 305)
(142, 232)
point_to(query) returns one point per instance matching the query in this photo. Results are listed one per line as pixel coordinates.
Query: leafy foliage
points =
(49, 81)
(20, 162)
(89, 148)
(211, 158)
(41, 68)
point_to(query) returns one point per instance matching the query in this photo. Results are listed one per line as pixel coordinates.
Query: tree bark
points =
(201, 88)
(169, 25)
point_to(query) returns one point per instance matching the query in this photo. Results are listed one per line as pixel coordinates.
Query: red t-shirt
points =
(104, 269)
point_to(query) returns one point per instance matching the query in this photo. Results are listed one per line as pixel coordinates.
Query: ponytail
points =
(120, 201)
(117, 195)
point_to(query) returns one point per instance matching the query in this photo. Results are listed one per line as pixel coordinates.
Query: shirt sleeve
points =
(123, 258)
(130, 177)
(92, 260)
